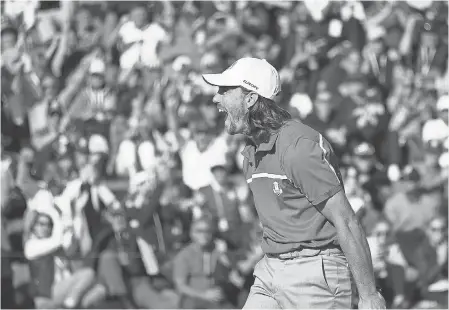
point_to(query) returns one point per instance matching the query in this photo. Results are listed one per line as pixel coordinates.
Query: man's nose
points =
(216, 99)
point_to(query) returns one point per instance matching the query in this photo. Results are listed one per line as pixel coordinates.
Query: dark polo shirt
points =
(289, 176)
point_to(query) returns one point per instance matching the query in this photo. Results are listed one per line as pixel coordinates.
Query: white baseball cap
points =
(97, 66)
(253, 74)
(98, 144)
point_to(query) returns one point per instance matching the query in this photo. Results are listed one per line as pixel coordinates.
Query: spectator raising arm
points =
(35, 248)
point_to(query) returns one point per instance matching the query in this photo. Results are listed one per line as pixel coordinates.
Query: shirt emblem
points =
(277, 189)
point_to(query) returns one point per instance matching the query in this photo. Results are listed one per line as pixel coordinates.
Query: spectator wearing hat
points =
(143, 215)
(435, 139)
(81, 153)
(371, 174)
(96, 103)
(436, 131)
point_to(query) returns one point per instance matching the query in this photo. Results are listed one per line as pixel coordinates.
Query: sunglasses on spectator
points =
(202, 230)
(381, 233)
(437, 228)
(43, 223)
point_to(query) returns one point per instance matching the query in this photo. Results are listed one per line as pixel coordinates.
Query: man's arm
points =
(312, 166)
(352, 241)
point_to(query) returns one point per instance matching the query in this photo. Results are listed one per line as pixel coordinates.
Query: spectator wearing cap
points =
(435, 139)
(97, 144)
(96, 103)
(371, 174)
(436, 131)
(142, 210)
(194, 268)
(412, 208)
(81, 153)
(223, 204)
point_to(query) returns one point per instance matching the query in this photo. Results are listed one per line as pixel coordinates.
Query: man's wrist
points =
(368, 294)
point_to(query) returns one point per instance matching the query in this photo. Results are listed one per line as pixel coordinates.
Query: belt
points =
(306, 252)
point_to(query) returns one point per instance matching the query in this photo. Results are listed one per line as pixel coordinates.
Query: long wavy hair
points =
(265, 118)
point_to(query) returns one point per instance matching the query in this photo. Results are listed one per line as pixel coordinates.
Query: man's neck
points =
(257, 140)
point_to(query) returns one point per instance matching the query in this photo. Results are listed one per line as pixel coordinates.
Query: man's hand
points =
(351, 236)
(375, 301)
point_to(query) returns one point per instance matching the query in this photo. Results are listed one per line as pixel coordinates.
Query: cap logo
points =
(277, 189)
(250, 84)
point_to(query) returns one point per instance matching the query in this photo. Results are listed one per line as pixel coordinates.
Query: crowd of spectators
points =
(120, 187)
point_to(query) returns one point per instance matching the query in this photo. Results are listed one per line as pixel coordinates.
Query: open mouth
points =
(221, 110)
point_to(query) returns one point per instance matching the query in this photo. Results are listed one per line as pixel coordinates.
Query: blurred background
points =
(120, 188)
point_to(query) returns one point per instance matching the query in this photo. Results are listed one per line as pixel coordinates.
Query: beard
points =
(237, 126)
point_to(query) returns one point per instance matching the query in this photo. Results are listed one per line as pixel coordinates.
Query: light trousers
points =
(311, 278)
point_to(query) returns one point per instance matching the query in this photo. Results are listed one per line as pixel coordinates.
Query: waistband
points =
(307, 252)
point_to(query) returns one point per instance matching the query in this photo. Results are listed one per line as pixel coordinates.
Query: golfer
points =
(311, 237)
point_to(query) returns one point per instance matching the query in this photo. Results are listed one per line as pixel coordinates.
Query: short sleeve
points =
(313, 168)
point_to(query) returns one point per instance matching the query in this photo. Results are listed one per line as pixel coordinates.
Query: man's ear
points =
(251, 99)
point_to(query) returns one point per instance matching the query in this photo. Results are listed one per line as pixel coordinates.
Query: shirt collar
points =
(250, 149)
(268, 146)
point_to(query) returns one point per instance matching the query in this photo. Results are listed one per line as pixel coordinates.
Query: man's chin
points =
(232, 129)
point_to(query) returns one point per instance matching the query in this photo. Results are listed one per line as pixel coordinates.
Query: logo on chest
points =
(277, 188)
